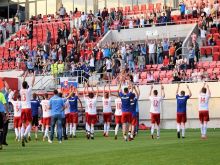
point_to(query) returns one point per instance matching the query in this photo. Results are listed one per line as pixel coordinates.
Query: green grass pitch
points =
(168, 150)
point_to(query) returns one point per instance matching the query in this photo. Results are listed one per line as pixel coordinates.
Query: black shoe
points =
(152, 136)
(74, 136)
(88, 136)
(23, 142)
(5, 144)
(65, 138)
(29, 138)
(71, 136)
(116, 137)
(178, 135)
(1, 147)
(183, 137)
(92, 137)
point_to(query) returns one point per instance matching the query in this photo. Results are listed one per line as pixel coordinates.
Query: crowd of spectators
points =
(111, 59)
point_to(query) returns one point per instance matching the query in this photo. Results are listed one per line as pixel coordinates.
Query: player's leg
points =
(92, 131)
(124, 126)
(183, 129)
(29, 121)
(205, 129)
(201, 124)
(152, 125)
(75, 122)
(36, 127)
(158, 126)
(1, 129)
(108, 128)
(53, 123)
(59, 127)
(104, 124)
(178, 125)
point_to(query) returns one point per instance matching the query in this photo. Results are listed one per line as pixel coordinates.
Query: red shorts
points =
(17, 122)
(203, 116)
(74, 117)
(118, 119)
(86, 116)
(134, 121)
(181, 118)
(46, 121)
(26, 115)
(126, 117)
(92, 119)
(155, 118)
(107, 117)
(67, 117)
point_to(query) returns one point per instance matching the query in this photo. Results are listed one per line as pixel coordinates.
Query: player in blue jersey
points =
(73, 102)
(35, 104)
(181, 110)
(133, 104)
(126, 114)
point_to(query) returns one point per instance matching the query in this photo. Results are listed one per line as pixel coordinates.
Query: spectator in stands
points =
(104, 13)
(197, 50)
(211, 40)
(48, 36)
(142, 22)
(172, 50)
(150, 77)
(83, 19)
(203, 36)
(164, 19)
(152, 51)
(66, 32)
(62, 11)
(214, 77)
(159, 53)
(182, 9)
(130, 57)
(168, 13)
(191, 57)
(106, 25)
(195, 9)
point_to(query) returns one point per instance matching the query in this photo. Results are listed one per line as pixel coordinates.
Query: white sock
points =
(71, 129)
(22, 131)
(158, 131)
(46, 132)
(67, 127)
(116, 129)
(16, 132)
(201, 128)
(105, 125)
(19, 133)
(152, 129)
(205, 128)
(92, 129)
(55, 131)
(183, 131)
(178, 127)
(42, 128)
(28, 130)
(88, 128)
(74, 129)
(36, 130)
(108, 127)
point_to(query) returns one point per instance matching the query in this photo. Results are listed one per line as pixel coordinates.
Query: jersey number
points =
(23, 97)
(156, 103)
(118, 105)
(202, 100)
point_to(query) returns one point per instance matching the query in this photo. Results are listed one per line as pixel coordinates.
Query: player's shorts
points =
(134, 120)
(73, 117)
(107, 117)
(203, 116)
(118, 119)
(86, 116)
(155, 118)
(35, 121)
(26, 115)
(126, 117)
(67, 117)
(46, 120)
(181, 118)
(92, 119)
(17, 122)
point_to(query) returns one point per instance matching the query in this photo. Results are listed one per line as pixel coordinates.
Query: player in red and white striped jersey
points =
(118, 114)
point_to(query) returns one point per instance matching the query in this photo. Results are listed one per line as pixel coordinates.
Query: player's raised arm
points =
(80, 104)
(104, 91)
(136, 92)
(6, 85)
(190, 93)
(162, 91)
(25, 75)
(97, 91)
(208, 90)
(151, 89)
(33, 79)
(178, 87)
(202, 87)
(109, 90)
(119, 88)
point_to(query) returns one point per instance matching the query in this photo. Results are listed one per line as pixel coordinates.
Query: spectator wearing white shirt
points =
(108, 64)
(152, 51)
(92, 63)
(62, 11)
(203, 36)
(83, 19)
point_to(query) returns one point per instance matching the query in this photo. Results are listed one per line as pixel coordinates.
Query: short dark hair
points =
(34, 95)
(91, 95)
(204, 90)
(182, 93)
(46, 96)
(60, 94)
(155, 92)
(25, 84)
(55, 91)
(126, 90)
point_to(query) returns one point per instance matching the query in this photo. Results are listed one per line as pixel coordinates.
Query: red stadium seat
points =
(212, 64)
(199, 65)
(206, 65)
(143, 75)
(143, 8)
(150, 6)
(216, 56)
(215, 49)
(213, 30)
